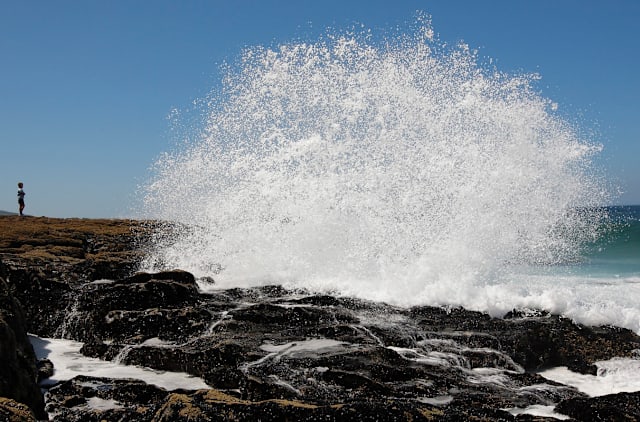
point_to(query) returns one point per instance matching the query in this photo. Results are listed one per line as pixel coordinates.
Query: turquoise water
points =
(617, 251)
(600, 286)
(614, 255)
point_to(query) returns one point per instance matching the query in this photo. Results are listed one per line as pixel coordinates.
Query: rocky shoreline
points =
(268, 353)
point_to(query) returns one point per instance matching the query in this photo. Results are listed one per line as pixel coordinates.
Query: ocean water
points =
(602, 285)
(617, 251)
(401, 169)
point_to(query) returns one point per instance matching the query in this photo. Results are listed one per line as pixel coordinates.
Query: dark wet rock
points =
(614, 407)
(137, 308)
(166, 324)
(18, 373)
(101, 399)
(84, 399)
(535, 340)
(45, 369)
(177, 276)
(45, 300)
(270, 314)
(556, 341)
(143, 291)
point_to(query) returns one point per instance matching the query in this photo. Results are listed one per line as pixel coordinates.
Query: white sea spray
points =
(401, 170)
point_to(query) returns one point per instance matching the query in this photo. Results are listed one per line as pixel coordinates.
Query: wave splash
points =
(402, 170)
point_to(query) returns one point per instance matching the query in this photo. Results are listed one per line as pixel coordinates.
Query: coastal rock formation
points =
(41, 259)
(44, 258)
(12, 411)
(278, 354)
(72, 250)
(614, 407)
(265, 344)
(18, 372)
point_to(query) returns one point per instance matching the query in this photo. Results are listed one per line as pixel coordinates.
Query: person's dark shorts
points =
(20, 201)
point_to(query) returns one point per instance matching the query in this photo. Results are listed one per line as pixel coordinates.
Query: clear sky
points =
(86, 86)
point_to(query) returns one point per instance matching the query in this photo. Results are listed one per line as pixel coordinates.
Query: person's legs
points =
(21, 202)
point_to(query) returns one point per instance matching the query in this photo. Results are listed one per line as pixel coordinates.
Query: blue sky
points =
(86, 87)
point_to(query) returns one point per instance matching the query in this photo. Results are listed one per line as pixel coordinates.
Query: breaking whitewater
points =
(399, 170)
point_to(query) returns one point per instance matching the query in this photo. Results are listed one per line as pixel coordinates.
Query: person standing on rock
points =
(21, 195)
